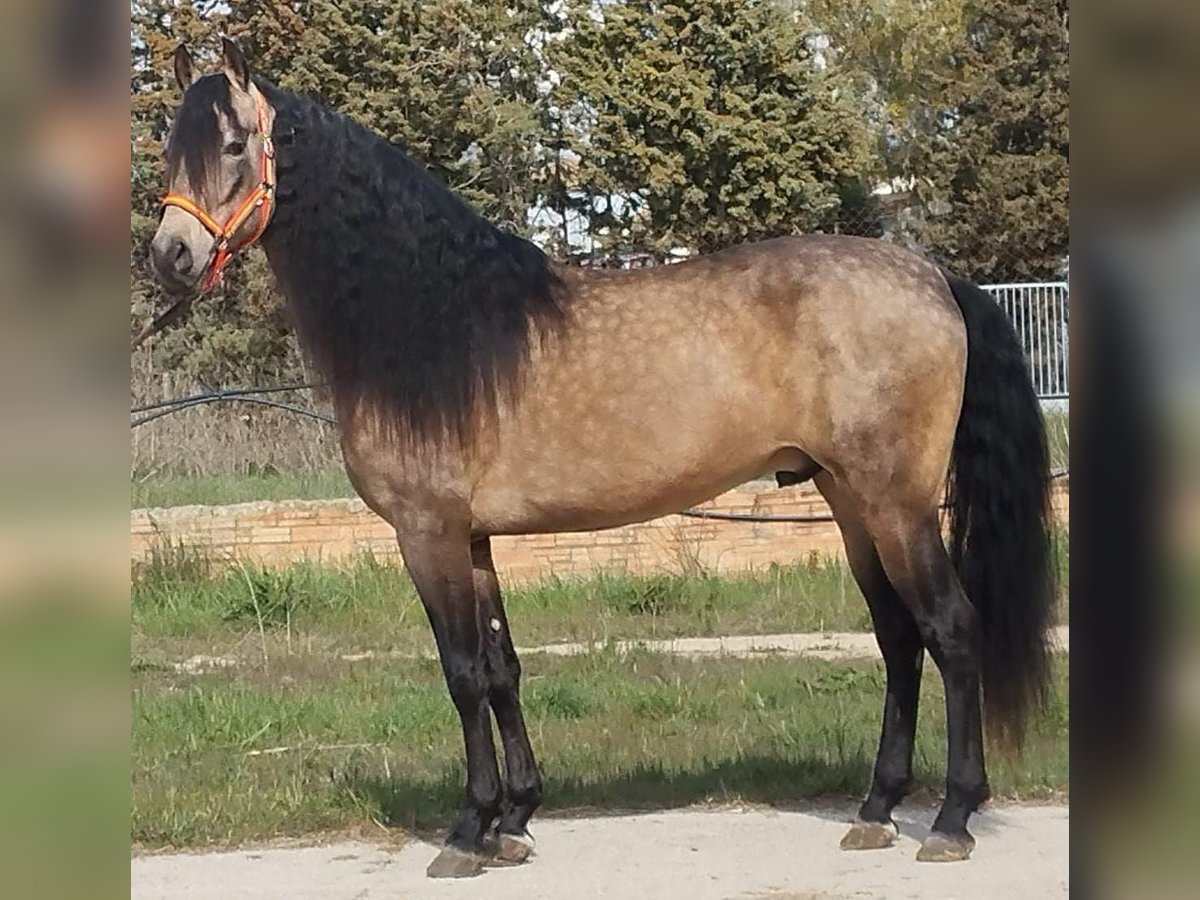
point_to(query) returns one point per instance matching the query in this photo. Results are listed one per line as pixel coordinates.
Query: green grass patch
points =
(180, 604)
(379, 741)
(1058, 438)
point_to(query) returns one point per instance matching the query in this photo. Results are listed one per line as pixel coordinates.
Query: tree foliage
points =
(701, 124)
(648, 125)
(898, 53)
(996, 179)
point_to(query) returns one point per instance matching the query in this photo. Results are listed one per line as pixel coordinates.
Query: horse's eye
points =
(235, 148)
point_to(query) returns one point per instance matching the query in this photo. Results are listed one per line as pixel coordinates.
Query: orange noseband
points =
(260, 200)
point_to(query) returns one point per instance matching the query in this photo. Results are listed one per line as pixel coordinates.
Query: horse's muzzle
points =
(175, 263)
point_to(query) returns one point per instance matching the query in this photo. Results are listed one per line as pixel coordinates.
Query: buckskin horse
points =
(481, 389)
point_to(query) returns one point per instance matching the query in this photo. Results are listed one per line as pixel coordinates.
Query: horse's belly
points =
(605, 438)
(585, 495)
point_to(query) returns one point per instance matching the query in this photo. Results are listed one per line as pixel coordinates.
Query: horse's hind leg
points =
(513, 843)
(913, 556)
(903, 653)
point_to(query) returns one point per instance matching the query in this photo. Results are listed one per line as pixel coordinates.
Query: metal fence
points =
(1040, 311)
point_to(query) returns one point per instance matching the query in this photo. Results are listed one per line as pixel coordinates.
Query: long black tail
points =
(998, 500)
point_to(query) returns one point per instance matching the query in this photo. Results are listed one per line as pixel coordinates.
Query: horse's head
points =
(220, 174)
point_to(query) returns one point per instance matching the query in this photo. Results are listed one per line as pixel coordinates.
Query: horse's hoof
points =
(870, 836)
(512, 849)
(946, 848)
(453, 862)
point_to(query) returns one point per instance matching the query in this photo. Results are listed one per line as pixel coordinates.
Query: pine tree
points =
(997, 189)
(157, 27)
(897, 53)
(701, 124)
(453, 82)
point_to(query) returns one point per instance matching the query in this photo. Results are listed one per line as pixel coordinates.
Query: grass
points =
(378, 741)
(1058, 438)
(180, 607)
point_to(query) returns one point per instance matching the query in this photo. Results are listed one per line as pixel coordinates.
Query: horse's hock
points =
(277, 533)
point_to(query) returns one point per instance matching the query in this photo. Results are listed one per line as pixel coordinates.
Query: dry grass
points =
(227, 438)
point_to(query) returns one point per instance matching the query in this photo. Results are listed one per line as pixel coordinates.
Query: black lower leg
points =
(483, 780)
(441, 570)
(949, 625)
(966, 779)
(903, 653)
(899, 640)
(953, 640)
(524, 793)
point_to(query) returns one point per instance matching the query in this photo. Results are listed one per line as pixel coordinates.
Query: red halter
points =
(262, 199)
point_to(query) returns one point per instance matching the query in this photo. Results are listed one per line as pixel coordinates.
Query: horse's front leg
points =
(514, 844)
(437, 554)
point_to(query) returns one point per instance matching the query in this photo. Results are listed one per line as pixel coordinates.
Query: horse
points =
(481, 389)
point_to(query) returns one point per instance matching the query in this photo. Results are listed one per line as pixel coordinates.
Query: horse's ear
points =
(236, 69)
(185, 72)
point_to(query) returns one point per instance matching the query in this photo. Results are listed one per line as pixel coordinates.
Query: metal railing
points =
(1041, 311)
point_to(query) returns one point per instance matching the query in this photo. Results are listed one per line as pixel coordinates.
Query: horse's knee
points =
(504, 674)
(468, 685)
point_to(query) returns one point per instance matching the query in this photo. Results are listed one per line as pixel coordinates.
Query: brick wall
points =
(277, 533)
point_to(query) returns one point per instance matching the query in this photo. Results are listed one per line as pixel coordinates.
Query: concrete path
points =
(729, 854)
(832, 645)
(829, 645)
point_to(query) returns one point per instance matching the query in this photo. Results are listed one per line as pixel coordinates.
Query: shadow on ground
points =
(426, 806)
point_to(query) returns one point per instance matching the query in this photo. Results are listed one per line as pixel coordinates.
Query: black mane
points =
(404, 297)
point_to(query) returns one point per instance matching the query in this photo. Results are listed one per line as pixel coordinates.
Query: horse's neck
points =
(316, 182)
(334, 202)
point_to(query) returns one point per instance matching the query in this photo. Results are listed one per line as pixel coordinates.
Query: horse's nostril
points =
(172, 259)
(183, 258)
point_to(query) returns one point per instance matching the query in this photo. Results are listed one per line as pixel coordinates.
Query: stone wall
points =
(278, 533)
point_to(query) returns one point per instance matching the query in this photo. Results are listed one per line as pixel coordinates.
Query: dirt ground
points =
(727, 854)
